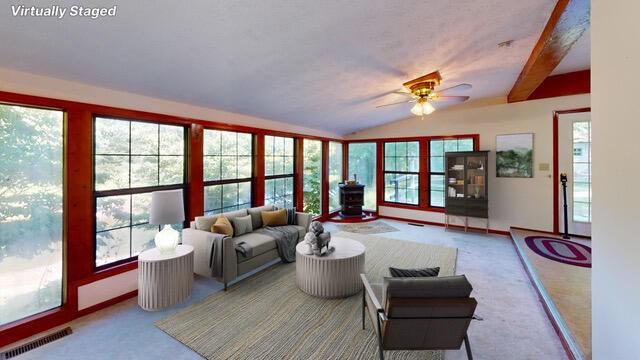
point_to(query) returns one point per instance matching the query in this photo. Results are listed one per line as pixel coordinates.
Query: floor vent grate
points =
(35, 343)
(414, 224)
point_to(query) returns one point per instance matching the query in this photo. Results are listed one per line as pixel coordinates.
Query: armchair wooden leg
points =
(468, 347)
(225, 286)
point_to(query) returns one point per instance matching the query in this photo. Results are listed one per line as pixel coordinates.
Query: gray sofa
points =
(215, 255)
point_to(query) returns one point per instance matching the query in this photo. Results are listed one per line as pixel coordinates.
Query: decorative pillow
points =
(426, 272)
(222, 226)
(242, 225)
(274, 218)
(206, 222)
(256, 217)
(291, 215)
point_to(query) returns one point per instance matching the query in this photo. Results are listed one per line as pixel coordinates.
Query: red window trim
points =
(78, 216)
(424, 190)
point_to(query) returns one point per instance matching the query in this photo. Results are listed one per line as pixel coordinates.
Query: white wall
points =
(30, 84)
(108, 288)
(512, 202)
(616, 127)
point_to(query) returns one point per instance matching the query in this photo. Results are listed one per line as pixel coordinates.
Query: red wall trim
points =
(195, 195)
(299, 174)
(258, 162)
(325, 179)
(556, 166)
(574, 83)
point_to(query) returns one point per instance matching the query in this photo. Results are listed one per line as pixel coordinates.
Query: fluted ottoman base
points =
(332, 276)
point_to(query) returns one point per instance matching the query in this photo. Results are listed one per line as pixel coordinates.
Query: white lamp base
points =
(167, 240)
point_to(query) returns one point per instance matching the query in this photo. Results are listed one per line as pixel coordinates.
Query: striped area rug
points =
(267, 317)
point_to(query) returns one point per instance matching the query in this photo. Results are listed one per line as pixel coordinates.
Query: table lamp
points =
(167, 207)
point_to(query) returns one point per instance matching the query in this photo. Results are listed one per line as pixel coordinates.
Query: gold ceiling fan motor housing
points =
(423, 87)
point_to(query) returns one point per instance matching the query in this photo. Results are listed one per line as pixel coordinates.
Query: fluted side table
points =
(332, 276)
(164, 280)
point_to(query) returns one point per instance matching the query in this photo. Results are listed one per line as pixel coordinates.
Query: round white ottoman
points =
(332, 276)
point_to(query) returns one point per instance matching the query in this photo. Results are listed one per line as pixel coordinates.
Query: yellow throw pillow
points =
(274, 218)
(222, 226)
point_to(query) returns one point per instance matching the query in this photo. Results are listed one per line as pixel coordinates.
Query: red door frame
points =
(556, 165)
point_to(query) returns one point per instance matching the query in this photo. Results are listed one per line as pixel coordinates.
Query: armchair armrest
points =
(304, 220)
(371, 306)
(370, 293)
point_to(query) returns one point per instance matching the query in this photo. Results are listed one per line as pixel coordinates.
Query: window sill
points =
(104, 273)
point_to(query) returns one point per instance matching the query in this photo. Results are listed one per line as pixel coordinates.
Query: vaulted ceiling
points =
(320, 64)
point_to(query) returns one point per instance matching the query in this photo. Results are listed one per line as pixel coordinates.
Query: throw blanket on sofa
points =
(286, 240)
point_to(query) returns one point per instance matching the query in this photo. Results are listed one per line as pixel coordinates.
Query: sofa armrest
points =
(214, 254)
(203, 246)
(304, 220)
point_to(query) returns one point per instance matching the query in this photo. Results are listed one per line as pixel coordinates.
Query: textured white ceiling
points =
(579, 56)
(320, 64)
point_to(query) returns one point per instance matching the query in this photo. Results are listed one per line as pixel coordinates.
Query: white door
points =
(574, 159)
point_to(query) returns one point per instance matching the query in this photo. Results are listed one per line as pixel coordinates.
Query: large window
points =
(362, 165)
(401, 167)
(31, 206)
(335, 174)
(228, 164)
(582, 171)
(132, 159)
(437, 149)
(312, 176)
(279, 171)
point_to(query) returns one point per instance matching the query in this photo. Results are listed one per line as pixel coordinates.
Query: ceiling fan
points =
(422, 92)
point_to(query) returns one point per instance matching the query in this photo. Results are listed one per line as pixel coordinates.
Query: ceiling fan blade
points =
(456, 87)
(402, 93)
(455, 98)
(397, 103)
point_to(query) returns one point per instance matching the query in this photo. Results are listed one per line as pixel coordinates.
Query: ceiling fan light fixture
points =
(422, 108)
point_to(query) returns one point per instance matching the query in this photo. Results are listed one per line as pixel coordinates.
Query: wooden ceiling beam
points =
(569, 19)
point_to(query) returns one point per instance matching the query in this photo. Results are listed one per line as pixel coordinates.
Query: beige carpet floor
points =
(267, 317)
(568, 286)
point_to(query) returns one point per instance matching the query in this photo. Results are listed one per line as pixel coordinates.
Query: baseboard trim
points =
(569, 345)
(475, 229)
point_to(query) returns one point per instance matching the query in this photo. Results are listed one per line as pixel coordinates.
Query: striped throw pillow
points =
(426, 272)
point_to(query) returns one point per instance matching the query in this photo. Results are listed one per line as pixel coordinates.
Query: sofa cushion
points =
(206, 222)
(274, 218)
(256, 215)
(260, 244)
(222, 226)
(242, 225)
